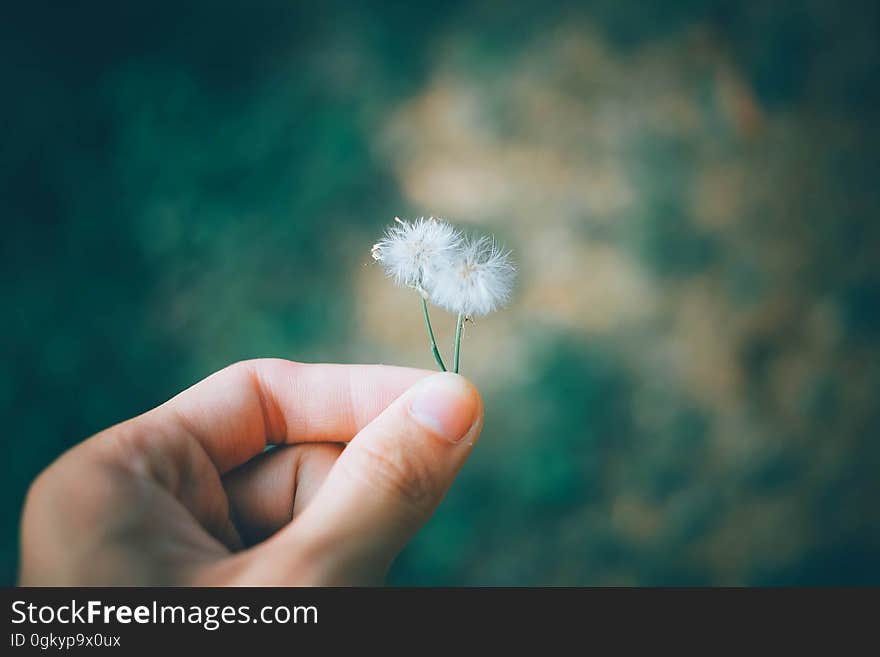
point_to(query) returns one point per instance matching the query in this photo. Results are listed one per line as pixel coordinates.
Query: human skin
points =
(186, 494)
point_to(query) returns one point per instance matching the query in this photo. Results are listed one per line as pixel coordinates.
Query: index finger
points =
(236, 412)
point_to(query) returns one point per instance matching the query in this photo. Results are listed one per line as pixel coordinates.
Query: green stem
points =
(458, 341)
(434, 349)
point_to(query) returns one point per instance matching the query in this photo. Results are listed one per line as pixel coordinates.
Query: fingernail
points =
(446, 404)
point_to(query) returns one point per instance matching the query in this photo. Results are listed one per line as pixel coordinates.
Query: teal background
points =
(684, 390)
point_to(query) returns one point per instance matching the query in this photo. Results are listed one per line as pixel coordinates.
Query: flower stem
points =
(457, 340)
(434, 349)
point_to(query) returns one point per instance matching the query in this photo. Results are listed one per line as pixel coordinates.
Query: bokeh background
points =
(685, 388)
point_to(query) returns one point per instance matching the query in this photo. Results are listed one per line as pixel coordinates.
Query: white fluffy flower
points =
(477, 281)
(412, 253)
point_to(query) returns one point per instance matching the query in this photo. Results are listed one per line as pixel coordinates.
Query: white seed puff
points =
(477, 281)
(414, 253)
(467, 276)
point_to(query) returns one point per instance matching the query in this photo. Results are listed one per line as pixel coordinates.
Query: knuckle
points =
(37, 492)
(397, 472)
(250, 366)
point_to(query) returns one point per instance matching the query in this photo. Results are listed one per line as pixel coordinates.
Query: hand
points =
(186, 495)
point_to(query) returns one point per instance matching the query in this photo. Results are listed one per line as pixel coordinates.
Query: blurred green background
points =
(685, 388)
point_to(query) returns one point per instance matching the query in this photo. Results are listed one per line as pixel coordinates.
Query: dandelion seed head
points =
(477, 281)
(411, 253)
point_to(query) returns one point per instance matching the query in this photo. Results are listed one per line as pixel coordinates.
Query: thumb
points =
(387, 482)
